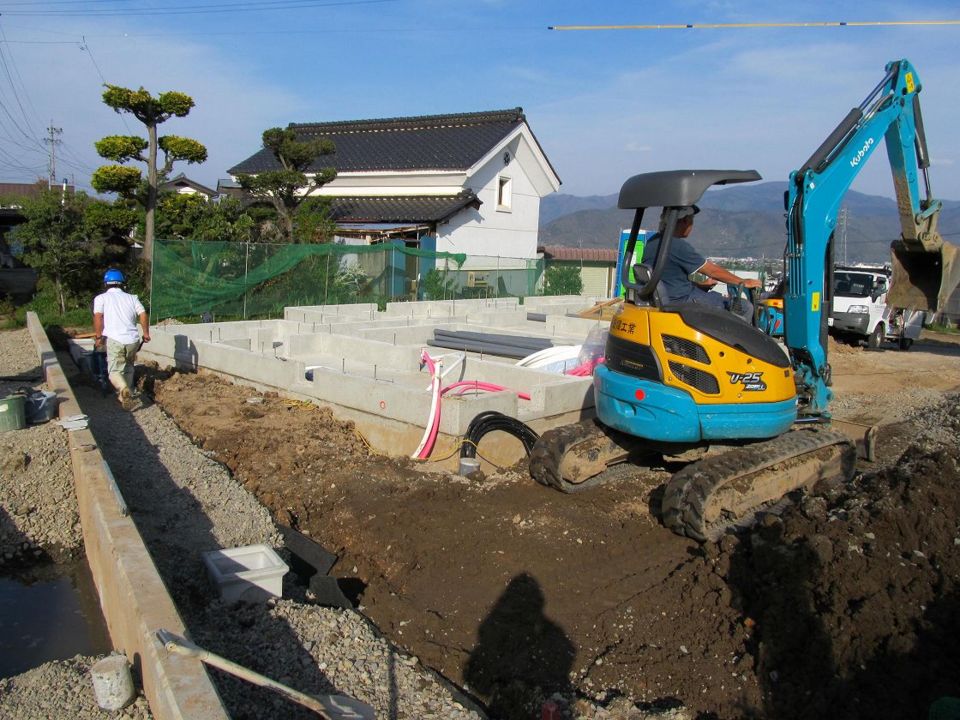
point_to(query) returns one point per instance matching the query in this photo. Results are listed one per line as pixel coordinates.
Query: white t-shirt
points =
(120, 313)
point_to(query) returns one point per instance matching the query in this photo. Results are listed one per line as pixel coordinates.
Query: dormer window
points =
(504, 193)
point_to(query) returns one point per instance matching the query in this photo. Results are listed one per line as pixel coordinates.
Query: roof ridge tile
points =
(417, 122)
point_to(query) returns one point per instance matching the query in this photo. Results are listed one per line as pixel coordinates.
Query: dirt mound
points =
(843, 607)
(855, 599)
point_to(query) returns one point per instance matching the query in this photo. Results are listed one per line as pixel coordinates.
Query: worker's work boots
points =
(128, 401)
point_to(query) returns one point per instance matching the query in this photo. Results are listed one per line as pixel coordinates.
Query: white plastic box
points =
(251, 573)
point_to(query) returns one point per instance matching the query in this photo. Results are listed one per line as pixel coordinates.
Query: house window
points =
(504, 193)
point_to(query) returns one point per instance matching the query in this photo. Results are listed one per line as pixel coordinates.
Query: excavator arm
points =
(924, 269)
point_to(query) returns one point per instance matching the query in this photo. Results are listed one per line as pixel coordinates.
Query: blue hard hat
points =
(113, 277)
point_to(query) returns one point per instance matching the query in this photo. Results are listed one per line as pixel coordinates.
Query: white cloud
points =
(761, 104)
(233, 105)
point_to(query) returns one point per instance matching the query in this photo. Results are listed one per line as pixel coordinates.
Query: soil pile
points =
(845, 606)
(855, 596)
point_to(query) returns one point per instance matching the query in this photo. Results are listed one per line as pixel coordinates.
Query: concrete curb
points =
(133, 598)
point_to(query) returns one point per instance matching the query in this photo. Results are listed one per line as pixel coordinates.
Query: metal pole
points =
(153, 267)
(246, 266)
(331, 707)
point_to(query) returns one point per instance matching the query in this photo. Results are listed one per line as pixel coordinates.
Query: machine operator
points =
(683, 261)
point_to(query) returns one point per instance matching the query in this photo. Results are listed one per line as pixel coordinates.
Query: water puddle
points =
(49, 612)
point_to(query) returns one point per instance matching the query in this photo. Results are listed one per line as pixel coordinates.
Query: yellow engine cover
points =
(712, 371)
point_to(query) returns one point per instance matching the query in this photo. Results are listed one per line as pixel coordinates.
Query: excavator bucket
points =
(923, 278)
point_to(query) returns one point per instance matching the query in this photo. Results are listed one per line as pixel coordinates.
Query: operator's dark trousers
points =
(714, 299)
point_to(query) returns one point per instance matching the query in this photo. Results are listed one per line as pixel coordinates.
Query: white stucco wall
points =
(493, 231)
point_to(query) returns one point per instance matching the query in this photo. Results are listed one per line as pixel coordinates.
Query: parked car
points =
(860, 311)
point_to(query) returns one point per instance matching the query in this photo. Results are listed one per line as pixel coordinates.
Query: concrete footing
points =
(367, 364)
(133, 598)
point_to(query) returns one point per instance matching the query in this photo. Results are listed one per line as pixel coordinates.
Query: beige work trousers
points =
(120, 359)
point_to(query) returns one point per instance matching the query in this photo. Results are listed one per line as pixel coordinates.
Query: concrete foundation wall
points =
(370, 368)
(133, 598)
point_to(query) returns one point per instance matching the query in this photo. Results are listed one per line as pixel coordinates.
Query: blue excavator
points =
(749, 416)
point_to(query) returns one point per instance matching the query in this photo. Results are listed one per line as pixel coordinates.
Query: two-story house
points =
(470, 182)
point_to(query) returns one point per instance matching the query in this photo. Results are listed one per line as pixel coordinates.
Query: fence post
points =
(246, 266)
(153, 265)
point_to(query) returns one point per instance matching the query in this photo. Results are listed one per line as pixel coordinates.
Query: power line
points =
(4, 41)
(85, 47)
(754, 25)
(254, 6)
(58, 2)
(16, 96)
(19, 77)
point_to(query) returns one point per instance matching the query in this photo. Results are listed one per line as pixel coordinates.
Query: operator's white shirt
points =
(120, 313)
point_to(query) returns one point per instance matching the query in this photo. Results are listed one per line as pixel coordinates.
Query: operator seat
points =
(719, 324)
(641, 274)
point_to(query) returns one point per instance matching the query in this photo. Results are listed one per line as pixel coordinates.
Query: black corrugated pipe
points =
(491, 420)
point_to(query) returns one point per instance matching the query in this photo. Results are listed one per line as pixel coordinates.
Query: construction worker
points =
(683, 261)
(116, 314)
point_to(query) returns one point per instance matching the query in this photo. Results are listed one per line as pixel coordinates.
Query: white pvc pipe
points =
(550, 355)
(434, 404)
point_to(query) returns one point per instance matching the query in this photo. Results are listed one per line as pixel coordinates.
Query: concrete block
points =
(242, 343)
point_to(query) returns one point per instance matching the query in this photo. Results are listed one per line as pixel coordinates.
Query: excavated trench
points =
(518, 593)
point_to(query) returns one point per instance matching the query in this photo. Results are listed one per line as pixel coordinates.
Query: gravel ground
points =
(38, 510)
(39, 522)
(57, 690)
(184, 504)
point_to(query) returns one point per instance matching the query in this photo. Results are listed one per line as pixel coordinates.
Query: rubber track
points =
(688, 492)
(550, 450)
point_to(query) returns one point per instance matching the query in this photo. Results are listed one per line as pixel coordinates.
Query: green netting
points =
(250, 280)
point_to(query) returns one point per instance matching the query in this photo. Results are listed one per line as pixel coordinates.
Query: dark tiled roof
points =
(400, 209)
(560, 252)
(28, 189)
(428, 142)
(182, 180)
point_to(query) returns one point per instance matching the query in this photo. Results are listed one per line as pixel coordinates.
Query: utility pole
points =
(53, 140)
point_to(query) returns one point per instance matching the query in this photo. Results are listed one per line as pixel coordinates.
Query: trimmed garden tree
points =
(151, 111)
(302, 218)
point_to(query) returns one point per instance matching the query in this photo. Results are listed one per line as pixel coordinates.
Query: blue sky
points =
(604, 105)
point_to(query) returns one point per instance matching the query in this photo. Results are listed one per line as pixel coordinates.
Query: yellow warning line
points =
(718, 26)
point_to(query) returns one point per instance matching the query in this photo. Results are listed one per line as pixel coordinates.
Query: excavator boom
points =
(925, 271)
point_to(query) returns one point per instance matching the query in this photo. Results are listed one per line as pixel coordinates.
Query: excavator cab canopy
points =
(676, 188)
(673, 190)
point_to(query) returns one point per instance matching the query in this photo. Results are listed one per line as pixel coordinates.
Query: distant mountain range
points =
(740, 221)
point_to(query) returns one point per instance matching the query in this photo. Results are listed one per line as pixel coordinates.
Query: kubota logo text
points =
(855, 160)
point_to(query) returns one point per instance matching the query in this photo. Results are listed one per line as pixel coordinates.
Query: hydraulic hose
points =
(491, 420)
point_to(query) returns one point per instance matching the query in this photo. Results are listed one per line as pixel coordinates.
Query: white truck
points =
(860, 312)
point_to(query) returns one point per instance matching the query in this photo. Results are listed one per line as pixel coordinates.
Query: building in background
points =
(467, 183)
